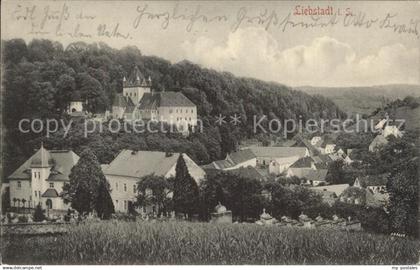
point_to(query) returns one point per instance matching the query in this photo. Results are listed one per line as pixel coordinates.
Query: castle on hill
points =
(139, 101)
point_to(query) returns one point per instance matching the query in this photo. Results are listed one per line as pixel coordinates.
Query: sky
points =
(377, 44)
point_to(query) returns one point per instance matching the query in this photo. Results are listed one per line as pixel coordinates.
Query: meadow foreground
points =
(118, 242)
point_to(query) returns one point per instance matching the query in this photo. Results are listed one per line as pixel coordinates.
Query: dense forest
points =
(41, 77)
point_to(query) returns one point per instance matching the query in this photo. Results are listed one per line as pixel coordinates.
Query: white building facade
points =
(41, 178)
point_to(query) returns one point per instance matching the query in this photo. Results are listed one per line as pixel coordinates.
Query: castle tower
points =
(41, 165)
(136, 85)
(76, 103)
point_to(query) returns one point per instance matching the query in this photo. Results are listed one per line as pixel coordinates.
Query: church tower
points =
(136, 85)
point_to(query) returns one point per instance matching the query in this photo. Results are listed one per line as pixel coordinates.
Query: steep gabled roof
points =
(151, 101)
(248, 172)
(241, 156)
(61, 163)
(223, 164)
(309, 174)
(42, 159)
(124, 102)
(278, 152)
(305, 162)
(135, 79)
(141, 163)
(64, 162)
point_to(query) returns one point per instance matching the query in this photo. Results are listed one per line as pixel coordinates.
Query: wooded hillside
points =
(41, 77)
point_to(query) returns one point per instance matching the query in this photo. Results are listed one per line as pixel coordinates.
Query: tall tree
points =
(85, 180)
(403, 198)
(154, 190)
(103, 203)
(186, 191)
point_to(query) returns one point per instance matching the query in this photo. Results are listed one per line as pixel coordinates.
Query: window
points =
(35, 193)
(19, 184)
(190, 118)
(135, 94)
(34, 175)
(125, 187)
(176, 110)
(39, 175)
(116, 186)
(116, 203)
(181, 110)
(51, 185)
(125, 205)
(192, 111)
(134, 188)
(170, 110)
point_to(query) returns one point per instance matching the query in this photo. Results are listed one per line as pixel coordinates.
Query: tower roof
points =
(136, 78)
(42, 159)
(76, 96)
(60, 162)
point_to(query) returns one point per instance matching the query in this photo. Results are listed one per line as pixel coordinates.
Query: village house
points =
(170, 107)
(313, 177)
(139, 101)
(76, 105)
(129, 167)
(330, 193)
(275, 160)
(279, 159)
(41, 178)
(374, 183)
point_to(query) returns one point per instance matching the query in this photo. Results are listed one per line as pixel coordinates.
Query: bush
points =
(123, 217)
(22, 219)
(39, 214)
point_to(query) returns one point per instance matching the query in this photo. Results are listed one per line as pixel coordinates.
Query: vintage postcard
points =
(210, 133)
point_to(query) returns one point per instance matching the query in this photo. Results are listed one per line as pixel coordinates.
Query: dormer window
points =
(51, 185)
(19, 184)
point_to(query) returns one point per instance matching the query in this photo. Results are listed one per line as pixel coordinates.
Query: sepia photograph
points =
(237, 133)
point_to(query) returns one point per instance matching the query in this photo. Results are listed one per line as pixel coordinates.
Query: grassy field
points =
(117, 242)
